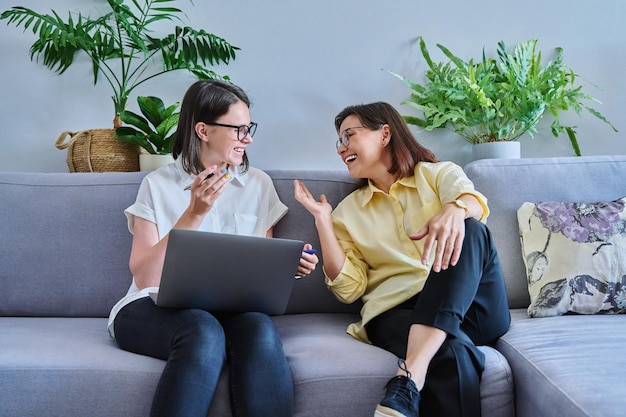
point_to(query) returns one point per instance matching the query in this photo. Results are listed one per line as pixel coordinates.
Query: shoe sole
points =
(382, 411)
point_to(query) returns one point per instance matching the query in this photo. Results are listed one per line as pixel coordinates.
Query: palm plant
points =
(497, 100)
(120, 45)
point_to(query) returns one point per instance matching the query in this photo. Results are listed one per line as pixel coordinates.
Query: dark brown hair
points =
(205, 101)
(405, 150)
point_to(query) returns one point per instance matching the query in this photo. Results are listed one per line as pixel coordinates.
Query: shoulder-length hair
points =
(205, 101)
(406, 152)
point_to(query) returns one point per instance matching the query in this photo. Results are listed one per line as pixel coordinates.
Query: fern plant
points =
(497, 100)
(121, 46)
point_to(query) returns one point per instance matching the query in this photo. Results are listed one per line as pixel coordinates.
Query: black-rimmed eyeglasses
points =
(242, 130)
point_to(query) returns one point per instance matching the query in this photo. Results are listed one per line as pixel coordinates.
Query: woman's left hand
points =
(444, 232)
(308, 261)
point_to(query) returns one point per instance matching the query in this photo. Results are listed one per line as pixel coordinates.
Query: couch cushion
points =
(65, 243)
(507, 183)
(69, 367)
(567, 365)
(575, 256)
(65, 367)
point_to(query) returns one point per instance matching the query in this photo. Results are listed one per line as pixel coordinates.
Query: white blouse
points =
(249, 205)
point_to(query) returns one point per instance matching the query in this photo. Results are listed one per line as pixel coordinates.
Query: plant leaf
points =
(152, 108)
(135, 120)
(130, 135)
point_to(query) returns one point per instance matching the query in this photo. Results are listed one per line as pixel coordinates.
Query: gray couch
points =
(64, 263)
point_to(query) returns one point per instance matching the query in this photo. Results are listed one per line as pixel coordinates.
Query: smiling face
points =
(366, 155)
(220, 144)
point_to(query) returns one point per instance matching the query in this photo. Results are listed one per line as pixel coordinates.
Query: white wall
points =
(302, 62)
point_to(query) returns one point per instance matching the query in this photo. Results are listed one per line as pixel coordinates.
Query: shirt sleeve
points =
(277, 210)
(352, 281)
(272, 208)
(142, 207)
(452, 183)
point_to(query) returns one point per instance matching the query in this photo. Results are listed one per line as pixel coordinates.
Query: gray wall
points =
(302, 62)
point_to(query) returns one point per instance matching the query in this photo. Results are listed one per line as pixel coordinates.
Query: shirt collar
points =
(236, 175)
(184, 178)
(368, 192)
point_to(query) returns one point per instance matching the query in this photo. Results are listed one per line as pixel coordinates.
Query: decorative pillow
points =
(575, 257)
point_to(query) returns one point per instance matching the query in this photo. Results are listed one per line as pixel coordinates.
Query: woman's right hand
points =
(319, 209)
(205, 191)
(334, 256)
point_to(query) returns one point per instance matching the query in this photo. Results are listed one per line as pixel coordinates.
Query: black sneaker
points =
(402, 398)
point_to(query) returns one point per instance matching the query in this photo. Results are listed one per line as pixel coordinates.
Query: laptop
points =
(224, 272)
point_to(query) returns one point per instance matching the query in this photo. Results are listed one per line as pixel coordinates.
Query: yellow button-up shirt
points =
(383, 265)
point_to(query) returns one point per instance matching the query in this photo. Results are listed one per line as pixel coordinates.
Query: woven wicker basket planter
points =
(98, 150)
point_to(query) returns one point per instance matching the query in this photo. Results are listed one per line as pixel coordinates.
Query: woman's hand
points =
(206, 189)
(445, 232)
(319, 209)
(334, 256)
(308, 261)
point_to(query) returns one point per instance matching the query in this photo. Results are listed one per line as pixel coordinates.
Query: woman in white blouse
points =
(210, 187)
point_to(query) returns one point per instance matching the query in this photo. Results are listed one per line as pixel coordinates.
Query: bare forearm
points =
(148, 251)
(147, 266)
(321, 210)
(334, 256)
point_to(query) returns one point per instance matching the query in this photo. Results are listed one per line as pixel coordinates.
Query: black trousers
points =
(468, 302)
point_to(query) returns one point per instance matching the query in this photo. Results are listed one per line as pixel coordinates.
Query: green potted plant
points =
(499, 100)
(154, 132)
(122, 46)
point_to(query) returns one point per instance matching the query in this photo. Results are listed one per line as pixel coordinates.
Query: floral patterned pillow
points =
(575, 257)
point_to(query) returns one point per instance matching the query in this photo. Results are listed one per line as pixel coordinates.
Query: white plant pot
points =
(150, 162)
(496, 150)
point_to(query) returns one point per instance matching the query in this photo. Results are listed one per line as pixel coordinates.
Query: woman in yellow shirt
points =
(411, 244)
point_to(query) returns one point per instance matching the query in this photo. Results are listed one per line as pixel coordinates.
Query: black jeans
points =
(196, 344)
(468, 302)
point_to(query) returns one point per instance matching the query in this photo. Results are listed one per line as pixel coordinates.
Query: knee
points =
(478, 235)
(258, 327)
(200, 332)
(474, 228)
